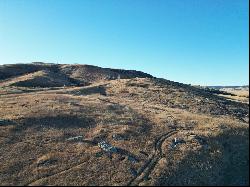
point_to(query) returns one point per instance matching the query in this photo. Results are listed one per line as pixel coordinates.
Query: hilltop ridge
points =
(76, 72)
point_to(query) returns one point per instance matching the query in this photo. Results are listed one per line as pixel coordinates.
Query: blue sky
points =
(190, 41)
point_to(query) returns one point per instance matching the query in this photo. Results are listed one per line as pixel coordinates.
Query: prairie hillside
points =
(77, 124)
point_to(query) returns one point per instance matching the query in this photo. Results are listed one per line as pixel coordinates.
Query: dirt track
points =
(147, 168)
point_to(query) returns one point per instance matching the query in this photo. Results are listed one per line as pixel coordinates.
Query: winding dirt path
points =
(147, 168)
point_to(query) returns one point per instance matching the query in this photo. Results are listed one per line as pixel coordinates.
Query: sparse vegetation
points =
(136, 114)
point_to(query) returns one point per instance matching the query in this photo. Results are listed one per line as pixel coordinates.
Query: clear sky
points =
(202, 42)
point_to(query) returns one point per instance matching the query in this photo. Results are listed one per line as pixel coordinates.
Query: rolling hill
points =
(64, 124)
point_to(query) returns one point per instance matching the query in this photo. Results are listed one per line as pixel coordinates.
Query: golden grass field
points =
(241, 95)
(38, 124)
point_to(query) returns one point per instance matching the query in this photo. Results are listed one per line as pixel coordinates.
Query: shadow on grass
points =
(6, 122)
(111, 116)
(58, 122)
(225, 163)
(90, 90)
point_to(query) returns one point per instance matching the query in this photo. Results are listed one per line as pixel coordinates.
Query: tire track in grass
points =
(54, 174)
(146, 169)
(142, 173)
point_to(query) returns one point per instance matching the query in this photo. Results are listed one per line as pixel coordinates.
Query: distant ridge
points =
(75, 74)
(220, 87)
